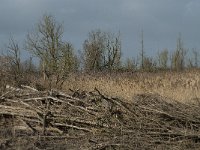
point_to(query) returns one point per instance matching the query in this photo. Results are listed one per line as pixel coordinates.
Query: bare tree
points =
(142, 53)
(163, 59)
(149, 64)
(28, 66)
(93, 50)
(178, 57)
(112, 53)
(131, 64)
(46, 43)
(102, 50)
(193, 62)
(15, 60)
(68, 62)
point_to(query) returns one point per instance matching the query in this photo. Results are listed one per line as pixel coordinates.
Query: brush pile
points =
(33, 119)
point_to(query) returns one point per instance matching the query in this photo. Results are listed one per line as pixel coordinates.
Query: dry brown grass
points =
(182, 86)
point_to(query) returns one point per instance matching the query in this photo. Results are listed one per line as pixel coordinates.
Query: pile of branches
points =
(91, 120)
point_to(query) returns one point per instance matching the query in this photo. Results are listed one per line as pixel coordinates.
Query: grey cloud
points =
(161, 20)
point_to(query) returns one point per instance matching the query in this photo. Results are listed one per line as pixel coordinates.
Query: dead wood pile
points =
(90, 120)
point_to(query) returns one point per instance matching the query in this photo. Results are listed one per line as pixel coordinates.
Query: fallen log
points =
(29, 88)
(17, 111)
(115, 101)
(73, 126)
(108, 145)
(79, 121)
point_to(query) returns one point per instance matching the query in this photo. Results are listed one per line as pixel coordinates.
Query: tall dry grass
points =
(182, 86)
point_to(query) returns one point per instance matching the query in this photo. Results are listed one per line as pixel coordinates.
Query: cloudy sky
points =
(161, 21)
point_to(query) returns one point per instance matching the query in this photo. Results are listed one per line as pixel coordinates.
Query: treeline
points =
(102, 51)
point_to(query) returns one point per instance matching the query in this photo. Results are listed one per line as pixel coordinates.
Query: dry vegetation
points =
(32, 119)
(100, 111)
(182, 86)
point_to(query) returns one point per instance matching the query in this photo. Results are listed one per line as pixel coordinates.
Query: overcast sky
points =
(161, 21)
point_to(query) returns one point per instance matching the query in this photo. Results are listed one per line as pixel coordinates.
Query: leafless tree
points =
(102, 50)
(178, 56)
(163, 59)
(142, 53)
(46, 43)
(13, 51)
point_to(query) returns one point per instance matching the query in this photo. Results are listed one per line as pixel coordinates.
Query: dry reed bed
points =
(94, 121)
(182, 86)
